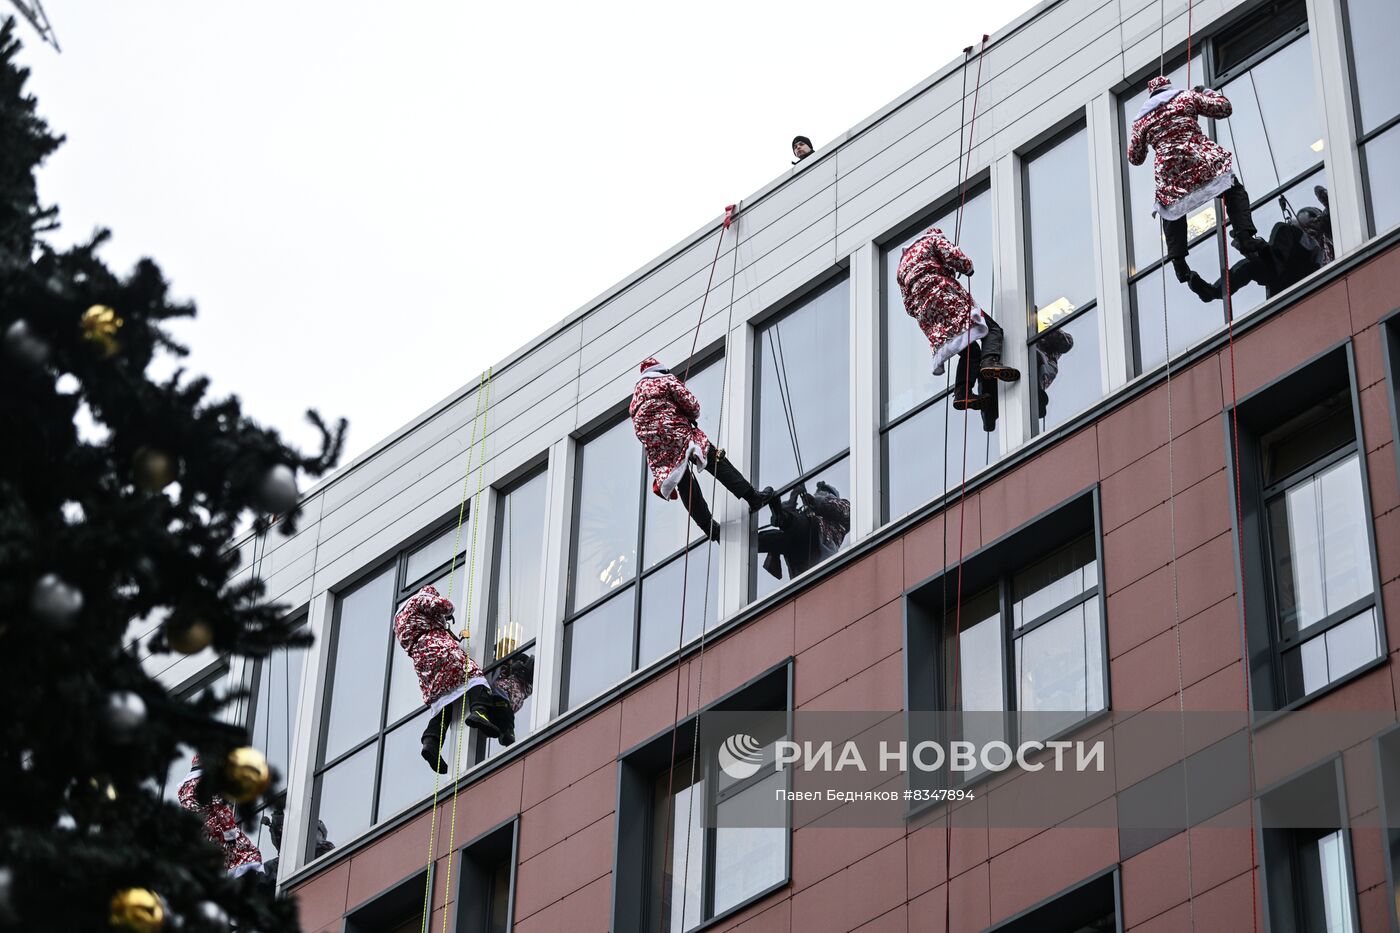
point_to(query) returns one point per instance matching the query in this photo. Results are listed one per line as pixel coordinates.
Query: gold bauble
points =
(152, 469)
(137, 910)
(189, 638)
(100, 325)
(246, 775)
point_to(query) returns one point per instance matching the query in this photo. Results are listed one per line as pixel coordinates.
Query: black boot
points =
(973, 402)
(992, 368)
(734, 481)
(1202, 288)
(502, 717)
(432, 755)
(1182, 270)
(478, 711)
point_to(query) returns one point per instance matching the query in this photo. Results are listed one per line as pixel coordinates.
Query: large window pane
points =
(748, 859)
(909, 377)
(1333, 654)
(1266, 215)
(1373, 25)
(1078, 381)
(803, 405)
(516, 587)
(1382, 155)
(1060, 669)
(274, 714)
(599, 648)
(347, 791)
(439, 551)
(1189, 320)
(1274, 131)
(1060, 230)
(362, 637)
(1053, 581)
(666, 523)
(661, 602)
(1321, 551)
(606, 525)
(838, 476)
(678, 857)
(406, 779)
(915, 455)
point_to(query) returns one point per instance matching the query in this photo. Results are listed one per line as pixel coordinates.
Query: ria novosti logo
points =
(740, 756)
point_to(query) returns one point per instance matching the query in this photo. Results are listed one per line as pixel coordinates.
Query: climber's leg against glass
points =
(966, 392)
(991, 367)
(478, 699)
(791, 538)
(1242, 273)
(1174, 231)
(1243, 233)
(718, 464)
(688, 491)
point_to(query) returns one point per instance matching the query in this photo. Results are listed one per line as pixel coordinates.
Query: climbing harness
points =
(476, 446)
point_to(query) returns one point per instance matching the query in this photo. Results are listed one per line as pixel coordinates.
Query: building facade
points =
(1220, 534)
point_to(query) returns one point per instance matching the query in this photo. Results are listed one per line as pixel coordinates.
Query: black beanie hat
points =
(802, 139)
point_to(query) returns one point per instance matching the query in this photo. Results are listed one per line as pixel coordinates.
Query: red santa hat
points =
(651, 362)
(1157, 83)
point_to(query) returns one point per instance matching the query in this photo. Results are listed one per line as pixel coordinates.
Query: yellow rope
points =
(471, 584)
(477, 419)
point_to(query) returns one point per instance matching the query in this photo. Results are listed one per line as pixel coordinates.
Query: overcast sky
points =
(370, 203)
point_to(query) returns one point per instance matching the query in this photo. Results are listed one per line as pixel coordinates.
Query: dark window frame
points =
(1032, 919)
(995, 563)
(300, 620)
(640, 766)
(1363, 136)
(488, 670)
(1292, 392)
(830, 279)
(406, 894)
(1210, 76)
(632, 589)
(982, 184)
(403, 588)
(1388, 792)
(1281, 844)
(1390, 359)
(478, 858)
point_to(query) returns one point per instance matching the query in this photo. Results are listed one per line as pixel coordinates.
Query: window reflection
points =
(1382, 154)
(915, 455)
(1275, 132)
(598, 646)
(1059, 230)
(1066, 366)
(605, 550)
(362, 638)
(1372, 27)
(837, 477)
(516, 581)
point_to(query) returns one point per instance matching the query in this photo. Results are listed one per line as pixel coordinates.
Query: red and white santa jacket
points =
(422, 630)
(1188, 167)
(664, 415)
(221, 826)
(927, 277)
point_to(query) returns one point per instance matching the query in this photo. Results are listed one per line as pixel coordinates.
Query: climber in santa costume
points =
(220, 826)
(949, 318)
(1190, 169)
(665, 416)
(447, 675)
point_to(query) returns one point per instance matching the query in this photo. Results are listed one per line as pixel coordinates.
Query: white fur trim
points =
(693, 454)
(241, 870)
(1157, 100)
(976, 331)
(1194, 199)
(478, 682)
(447, 698)
(655, 372)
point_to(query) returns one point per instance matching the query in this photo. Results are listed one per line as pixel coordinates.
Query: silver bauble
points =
(212, 916)
(125, 715)
(54, 601)
(21, 343)
(278, 491)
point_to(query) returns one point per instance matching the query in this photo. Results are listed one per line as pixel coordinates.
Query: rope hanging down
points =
(475, 447)
(964, 166)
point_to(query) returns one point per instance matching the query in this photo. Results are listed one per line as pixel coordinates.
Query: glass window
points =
(1306, 854)
(838, 477)
(1059, 230)
(803, 361)
(272, 721)
(1033, 640)
(802, 434)
(1264, 66)
(605, 641)
(1373, 25)
(1064, 344)
(1382, 154)
(915, 415)
(370, 766)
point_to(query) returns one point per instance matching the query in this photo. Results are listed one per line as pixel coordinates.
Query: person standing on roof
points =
(665, 416)
(801, 148)
(1189, 168)
(949, 318)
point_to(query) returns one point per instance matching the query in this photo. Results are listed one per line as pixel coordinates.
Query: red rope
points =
(962, 494)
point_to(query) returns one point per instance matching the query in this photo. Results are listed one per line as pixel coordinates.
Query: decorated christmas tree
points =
(131, 516)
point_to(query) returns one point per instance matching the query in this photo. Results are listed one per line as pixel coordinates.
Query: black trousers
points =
(729, 477)
(972, 357)
(1237, 212)
(430, 729)
(794, 537)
